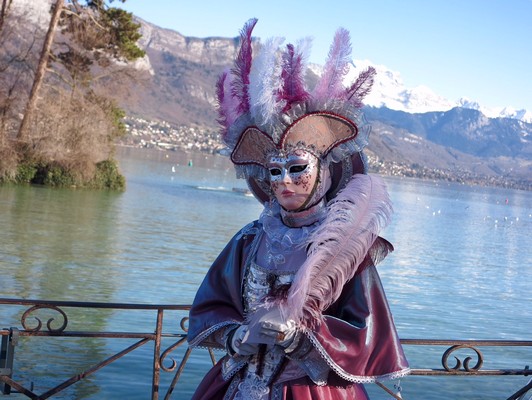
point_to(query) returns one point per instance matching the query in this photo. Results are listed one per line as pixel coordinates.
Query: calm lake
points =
(462, 268)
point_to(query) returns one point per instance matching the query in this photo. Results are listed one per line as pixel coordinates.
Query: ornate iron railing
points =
(31, 325)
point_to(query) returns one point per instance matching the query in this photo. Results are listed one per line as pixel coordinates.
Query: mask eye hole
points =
(294, 169)
(275, 171)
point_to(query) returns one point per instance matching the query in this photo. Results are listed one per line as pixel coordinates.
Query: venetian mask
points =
(294, 178)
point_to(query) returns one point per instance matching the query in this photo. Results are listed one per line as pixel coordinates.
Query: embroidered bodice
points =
(279, 252)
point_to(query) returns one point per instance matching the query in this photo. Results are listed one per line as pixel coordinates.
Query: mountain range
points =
(410, 127)
(413, 130)
(389, 91)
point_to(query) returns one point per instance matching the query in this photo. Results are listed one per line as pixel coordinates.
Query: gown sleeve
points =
(218, 301)
(357, 338)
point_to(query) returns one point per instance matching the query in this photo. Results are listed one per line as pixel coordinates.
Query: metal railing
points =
(35, 309)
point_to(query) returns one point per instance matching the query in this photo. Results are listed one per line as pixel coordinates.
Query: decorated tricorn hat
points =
(266, 109)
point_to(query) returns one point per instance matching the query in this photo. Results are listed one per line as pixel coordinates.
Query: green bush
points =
(107, 176)
(55, 175)
(26, 172)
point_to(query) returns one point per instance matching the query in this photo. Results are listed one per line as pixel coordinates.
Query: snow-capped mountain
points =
(504, 112)
(389, 91)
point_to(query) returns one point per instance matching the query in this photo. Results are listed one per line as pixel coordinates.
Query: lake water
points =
(461, 270)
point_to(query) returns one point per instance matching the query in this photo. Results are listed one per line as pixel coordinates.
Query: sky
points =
(478, 49)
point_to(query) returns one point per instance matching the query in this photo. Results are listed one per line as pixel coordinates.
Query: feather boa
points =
(338, 247)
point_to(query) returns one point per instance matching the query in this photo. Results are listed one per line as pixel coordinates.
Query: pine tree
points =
(67, 124)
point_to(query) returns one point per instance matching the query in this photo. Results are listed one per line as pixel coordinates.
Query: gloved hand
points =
(283, 333)
(239, 346)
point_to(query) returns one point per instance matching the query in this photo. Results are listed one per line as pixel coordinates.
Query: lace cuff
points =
(299, 347)
(223, 336)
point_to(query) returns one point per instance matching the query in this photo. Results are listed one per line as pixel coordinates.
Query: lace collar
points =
(283, 236)
(306, 217)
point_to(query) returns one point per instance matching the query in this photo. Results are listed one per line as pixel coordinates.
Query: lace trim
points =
(278, 233)
(231, 365)
(347, 376)
(233, 386)
(249, 229)
(307, 217)
(247, 268)
(315, 367)
(269, 271)
(277, 391)
(393, 375)
(205, 334)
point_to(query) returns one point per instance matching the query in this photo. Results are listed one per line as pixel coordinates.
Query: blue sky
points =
(479, 49)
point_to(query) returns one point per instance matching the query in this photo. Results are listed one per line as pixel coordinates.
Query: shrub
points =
(25, 172)
(54, 175)
(107, 176)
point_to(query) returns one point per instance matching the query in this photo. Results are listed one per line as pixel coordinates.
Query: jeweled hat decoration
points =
(266, 109)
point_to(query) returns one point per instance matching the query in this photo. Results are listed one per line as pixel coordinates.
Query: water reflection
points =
(45, 233)
(461, 268)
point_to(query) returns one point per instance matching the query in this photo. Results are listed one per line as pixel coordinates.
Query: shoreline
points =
(377, 167)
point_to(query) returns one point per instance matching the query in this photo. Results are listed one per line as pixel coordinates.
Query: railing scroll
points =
(453, 360)
(33, 326)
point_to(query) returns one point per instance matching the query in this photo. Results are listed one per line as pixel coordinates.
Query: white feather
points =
(265, 82)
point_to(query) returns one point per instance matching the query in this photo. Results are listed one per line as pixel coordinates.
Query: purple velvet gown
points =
(356, 343)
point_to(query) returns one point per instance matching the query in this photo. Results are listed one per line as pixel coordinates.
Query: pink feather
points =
(338, 247)
(362, 86)
(293, 89)
(336, 67)
(227, 104)
(242, 67)
(223, 117)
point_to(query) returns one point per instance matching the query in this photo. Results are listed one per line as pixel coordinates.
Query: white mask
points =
(297, 180)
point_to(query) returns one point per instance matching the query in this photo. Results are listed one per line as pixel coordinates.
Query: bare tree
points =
(41, 68)
(66, 124)
(74, 144)
(17, 61)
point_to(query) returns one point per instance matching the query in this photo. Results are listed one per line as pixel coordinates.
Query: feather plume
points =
(242, 67)
(330, 85)
(222, 104)
(227, 105)
(362, 86)
(265, 82)
(338, 246)
(293, 76)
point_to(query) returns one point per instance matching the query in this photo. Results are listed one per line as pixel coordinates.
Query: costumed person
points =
(294, 298)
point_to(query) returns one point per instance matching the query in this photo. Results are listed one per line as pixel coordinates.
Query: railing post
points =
(157, 355)
(7, 355)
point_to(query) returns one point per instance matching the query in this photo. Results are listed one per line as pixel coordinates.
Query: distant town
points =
(162, 135)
